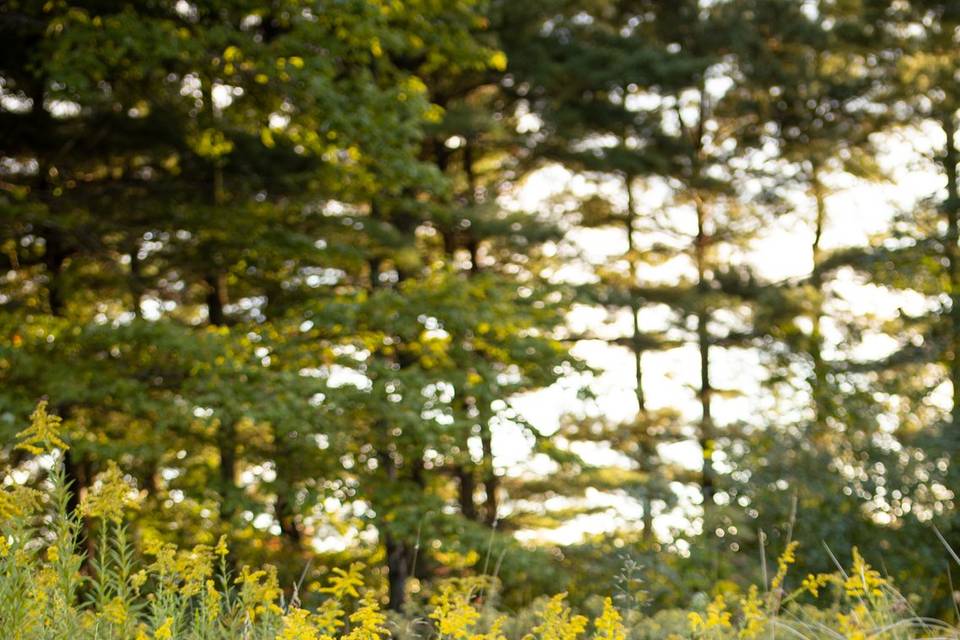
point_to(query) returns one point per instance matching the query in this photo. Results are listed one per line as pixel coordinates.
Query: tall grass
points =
(53, 588)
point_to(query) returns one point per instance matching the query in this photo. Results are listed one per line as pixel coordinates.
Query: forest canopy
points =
(574, 293)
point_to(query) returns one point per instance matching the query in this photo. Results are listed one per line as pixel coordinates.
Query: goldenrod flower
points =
(863, 578)
(18, 501)
(558, 622)
(609, 625)
(115, 611)
(717, 616)
(259, 592)
(369, 622)
(787, 558)
(813, 583)
(43, 434)
(454, 615)
(329, 617)
(164, 631)
(109, 496)
(345, 583)
(753, 617)
(297, 626)
(194, 568)
(221, 548)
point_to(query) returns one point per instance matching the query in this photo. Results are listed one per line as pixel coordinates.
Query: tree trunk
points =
(705, 393)
(217, 298)
(136, 281)
(468, 488)
(646, 453)
(286, 516)
(398, 572)
(491, 481)
(951, 209)
(818, 381)
(634, 303)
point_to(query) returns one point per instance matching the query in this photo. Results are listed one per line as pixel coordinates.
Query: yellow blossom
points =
(753, 618)
(787, 558)
(115, 611)
(368, 622)
(863, 579)
(164, 631)
(221, 548)
(194, 568)
(609, 625)
(212, 600)
(138, 579)
(498, 61)
(329, 617)
(717, 616)
(43, 434)
(851, 624)
(297, 626)
(259, 591)
(345, 583)
(494, 633)
(558, 622)
(454, 615)
(813, 583)
(109, 496)
(18, 501)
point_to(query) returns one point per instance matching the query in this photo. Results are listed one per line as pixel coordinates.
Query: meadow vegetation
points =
(143, 589)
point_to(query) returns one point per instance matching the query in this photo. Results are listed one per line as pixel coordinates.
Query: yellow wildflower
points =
(138, 579)
(329, 617)
(212, 601)
(863, 579)
(221, 548)
(454, 615)
(498, 61)
(109, 496)
(297, 626)
(165, 554)
(717, 616)
(115, 611)
(43, 434)
(813, 583)
(259, 591)
(18, 501)
(753, 618)
(369, 622)
(557, 621)
(345, 583)
(194, 568)
(850, 625)
(609, 625)
(164, 631)
(787, 558)
(494, 633)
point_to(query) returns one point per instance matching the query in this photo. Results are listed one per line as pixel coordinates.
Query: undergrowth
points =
(52, 588)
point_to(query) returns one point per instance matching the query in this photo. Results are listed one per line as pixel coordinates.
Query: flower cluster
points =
(155, 590)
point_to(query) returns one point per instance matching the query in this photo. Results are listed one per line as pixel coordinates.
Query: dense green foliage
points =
(273, 259)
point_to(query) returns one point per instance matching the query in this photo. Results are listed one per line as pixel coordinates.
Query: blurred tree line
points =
(269, 256)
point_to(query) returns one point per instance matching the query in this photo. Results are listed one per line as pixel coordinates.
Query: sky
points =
(856, 211)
